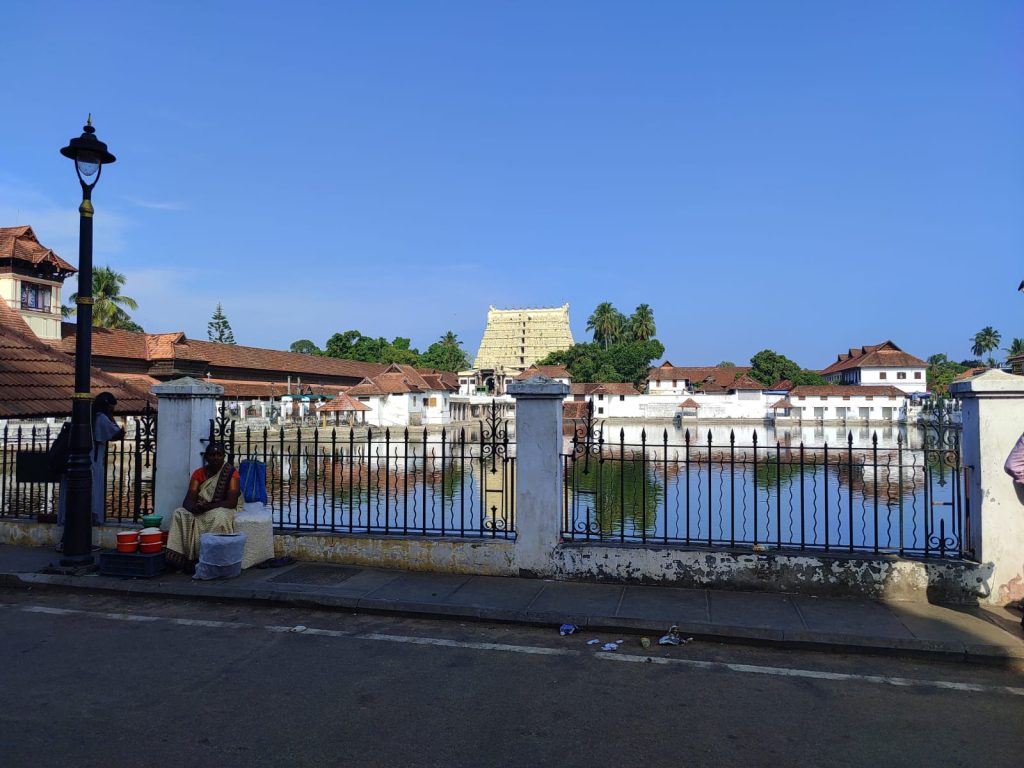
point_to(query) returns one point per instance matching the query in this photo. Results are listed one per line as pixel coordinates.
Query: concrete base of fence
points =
(491, 557)
(882, 577)
(29, 533)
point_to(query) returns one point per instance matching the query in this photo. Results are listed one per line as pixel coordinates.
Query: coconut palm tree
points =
(641, 323)
(1016, 348)
(985, 341)
(606, 323)
(107, 301)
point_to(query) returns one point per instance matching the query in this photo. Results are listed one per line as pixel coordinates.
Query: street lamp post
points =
(90, 155)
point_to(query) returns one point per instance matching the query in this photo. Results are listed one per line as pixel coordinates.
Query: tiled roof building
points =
(37, 380)
(166, 356)
(878, 364)
(671, 379)
(551, 371)
(31, 280)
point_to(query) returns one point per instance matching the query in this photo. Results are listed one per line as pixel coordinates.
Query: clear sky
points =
(802, 176)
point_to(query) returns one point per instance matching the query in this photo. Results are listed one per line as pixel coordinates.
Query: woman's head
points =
(214, 455)
(104, 402)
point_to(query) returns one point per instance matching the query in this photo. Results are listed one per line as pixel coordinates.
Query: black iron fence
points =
(384, 481)
(128, 472)
(845, 498)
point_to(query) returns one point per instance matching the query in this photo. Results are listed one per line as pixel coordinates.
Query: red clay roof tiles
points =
(884, 355)
(37, 380)
(21, 244)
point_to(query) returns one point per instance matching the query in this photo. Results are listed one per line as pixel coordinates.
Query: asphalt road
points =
(105, 681)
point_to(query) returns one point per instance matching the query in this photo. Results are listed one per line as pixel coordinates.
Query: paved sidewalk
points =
(839, 624)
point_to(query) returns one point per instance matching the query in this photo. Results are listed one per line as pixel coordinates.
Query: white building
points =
(847, 403)
(668, 380)
(882, 364)
(611, 400)
(401, 396)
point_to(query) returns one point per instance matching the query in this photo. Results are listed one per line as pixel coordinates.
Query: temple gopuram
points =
(513, 340)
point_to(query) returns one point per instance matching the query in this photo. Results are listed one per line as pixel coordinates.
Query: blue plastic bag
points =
(252, 476)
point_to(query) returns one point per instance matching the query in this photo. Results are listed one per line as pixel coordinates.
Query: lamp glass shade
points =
(88, 163)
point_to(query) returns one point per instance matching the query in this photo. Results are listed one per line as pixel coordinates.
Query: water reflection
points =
(892, 493)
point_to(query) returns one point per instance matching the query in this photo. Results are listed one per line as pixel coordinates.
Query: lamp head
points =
(89, 154)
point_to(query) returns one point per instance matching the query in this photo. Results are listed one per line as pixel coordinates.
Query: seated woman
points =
(210, 505)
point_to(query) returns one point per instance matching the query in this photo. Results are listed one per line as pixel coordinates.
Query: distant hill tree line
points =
(445, 354)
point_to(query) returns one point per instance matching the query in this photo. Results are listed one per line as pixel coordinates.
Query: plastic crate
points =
(131, 564)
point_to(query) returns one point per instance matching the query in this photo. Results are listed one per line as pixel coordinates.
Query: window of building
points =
(901, 374)
(364, 399)
(846, 397)
(823, 397)
(34, 296)
(869, 397)
(800, 397)
(917, 374)
(600, 397)
(432, 402)
(882, 375)
(622, 398)
(600, 410)
(674, 382)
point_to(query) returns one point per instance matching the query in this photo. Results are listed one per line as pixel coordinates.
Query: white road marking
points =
(719, 666)
(813, 674)
(469, 644)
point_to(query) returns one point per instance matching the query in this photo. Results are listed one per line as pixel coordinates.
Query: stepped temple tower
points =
(515, 339)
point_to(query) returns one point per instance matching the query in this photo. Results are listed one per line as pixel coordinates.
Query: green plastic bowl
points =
(152, 521)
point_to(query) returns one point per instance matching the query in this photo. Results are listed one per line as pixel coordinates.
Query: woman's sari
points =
(186, 527)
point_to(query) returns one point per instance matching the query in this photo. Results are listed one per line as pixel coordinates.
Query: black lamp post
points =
(90, 155)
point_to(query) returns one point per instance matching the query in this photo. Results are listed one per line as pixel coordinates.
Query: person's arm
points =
(234, 491)
(105, 430)
(191, 502)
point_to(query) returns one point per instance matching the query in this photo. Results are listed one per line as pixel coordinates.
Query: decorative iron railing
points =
(128, 473)
(842, 498)
(384, 481)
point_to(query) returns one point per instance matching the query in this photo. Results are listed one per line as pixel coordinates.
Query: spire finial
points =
(88, 120)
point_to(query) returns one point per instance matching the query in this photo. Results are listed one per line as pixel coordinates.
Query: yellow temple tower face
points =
(515, 339)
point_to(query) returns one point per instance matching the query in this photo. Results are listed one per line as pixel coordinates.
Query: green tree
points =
(445, 354)
(399, 351)
(769, 367)
(628, 361)
(985, 340)
(131, 325)
(726, 364)
(607, 324)
(304, 347)
(641, 323)
(107, 301)
(352, 345)
(941, 372)
(219, 329)
(340, 344)
(1016, 347)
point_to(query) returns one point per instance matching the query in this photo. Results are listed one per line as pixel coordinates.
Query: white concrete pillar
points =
(184, 409)
(993, 420)
(538, 403)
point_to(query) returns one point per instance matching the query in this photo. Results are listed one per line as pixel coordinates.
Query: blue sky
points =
(800, 176)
